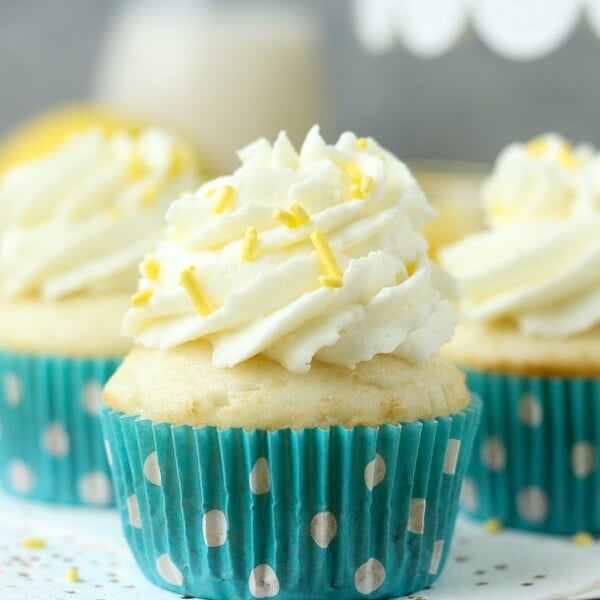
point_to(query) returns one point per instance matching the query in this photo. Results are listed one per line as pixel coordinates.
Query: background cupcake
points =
(73, 226)
(284, 427)
(530, 340)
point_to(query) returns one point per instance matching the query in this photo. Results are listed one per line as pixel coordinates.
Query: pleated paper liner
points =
(51, 443)
(323, 514)
(536, 458)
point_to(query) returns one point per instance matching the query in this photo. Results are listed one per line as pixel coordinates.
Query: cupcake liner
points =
(327, 514)
(51, 444)
(536, 459)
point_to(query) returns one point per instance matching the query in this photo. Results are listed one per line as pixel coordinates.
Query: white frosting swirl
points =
(538, 265)
(80, 219)
(270, 295)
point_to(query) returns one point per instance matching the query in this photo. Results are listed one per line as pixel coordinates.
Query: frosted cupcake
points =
(73, 227)
(284, 427)
(530, 339)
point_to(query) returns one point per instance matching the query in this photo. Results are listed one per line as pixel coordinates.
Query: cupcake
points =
(73, 227)
(530, 339)
(284, 426)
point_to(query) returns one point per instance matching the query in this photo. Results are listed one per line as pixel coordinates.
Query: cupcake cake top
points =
(537, 265)
(79, 220)
(298, 256)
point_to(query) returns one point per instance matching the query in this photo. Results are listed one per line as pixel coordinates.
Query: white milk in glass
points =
(223, 73)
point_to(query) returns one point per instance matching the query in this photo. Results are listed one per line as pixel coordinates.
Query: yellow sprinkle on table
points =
(148, 197)
(582, 539)
(225, 197)
(362, 143)
(250, 244)
(492, 526)
(72, 575)
(137, 168)
(300, 214)
(190, 283)
(142, 297)
(332, 281)
(285, 218)
(152, 268)
(325, 255)
(34, 543)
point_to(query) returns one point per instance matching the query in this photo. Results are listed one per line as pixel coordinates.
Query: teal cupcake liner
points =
(536, 459)
(51, 443)
(319, 514)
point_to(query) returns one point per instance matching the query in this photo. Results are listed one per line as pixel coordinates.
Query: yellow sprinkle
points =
(285, 218)
(112, 212)
(582, 539)
(137, 168)
(355, 191)
(192, 286)
(72, 575)
(152, 268)
(178, 160)
(141, 298)
(301, 215)
(566, 157)
(353, 172)
(411, 267)
(250, 244)
(34, 543)
(367, 184)
(492, 526)
(224, 199)
(332, 281)
(537, 147)
(325, 254)
(184, 194)
(362, 143)
(148, 197)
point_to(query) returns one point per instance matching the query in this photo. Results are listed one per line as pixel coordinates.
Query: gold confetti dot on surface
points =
(141, 298)
(34, 543)
(492, 526)
(582, 539)
(72, 575)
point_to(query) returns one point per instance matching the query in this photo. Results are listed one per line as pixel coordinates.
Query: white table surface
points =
(503, 566)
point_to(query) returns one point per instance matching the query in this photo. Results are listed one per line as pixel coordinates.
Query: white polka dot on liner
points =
(468, 495)
(21, 477)
(416, 518)
(369, 576)
(451, 457)
(95, 488)
(214, 528)
(323, 528)
(374, 472)
(260, 477)
(583, 459)
(92, 397)
(493, 454)
(436, 557)
(530, 410)
(13, 390)
(168, 571)
(532, 504)
(263, 582)
(151, 469)
(133, 510)
(55, 440)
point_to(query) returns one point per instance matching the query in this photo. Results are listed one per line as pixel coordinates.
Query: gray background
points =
(464, 105)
